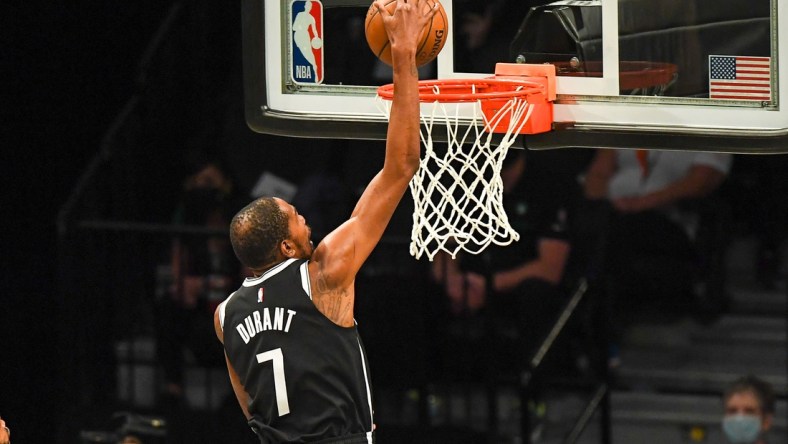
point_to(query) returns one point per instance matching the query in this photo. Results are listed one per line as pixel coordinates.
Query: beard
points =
(309, 247)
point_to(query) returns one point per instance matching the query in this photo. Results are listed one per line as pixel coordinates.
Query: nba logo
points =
(307, 42)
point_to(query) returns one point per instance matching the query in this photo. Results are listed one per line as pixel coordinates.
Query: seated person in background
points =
(204, 271)
(749, 410)
(526, 276)
(484, 31)
(649, 253)
(204, 267)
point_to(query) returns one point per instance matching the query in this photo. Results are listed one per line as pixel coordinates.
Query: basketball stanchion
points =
(458, 193)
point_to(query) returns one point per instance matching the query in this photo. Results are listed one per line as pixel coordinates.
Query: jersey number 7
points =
(280, 386)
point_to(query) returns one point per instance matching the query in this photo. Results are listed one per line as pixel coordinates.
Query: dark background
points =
(68, 70)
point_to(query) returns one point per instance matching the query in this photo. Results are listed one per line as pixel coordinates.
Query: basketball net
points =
(458, 195)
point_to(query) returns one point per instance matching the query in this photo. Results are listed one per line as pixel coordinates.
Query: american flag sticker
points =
(740, 78)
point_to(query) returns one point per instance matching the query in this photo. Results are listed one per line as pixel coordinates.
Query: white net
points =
(457, 191)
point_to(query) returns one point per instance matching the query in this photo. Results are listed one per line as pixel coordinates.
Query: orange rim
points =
(468, 90)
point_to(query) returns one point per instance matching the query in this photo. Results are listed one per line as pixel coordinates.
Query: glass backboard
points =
(657, 74)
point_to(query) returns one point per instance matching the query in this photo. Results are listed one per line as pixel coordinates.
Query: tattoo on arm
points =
(333, 303)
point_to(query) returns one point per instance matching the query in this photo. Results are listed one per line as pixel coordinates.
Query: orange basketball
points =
(433, 37)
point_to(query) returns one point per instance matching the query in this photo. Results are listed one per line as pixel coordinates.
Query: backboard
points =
(701, 75)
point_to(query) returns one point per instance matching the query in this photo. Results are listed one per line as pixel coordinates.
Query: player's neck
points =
(257, 272)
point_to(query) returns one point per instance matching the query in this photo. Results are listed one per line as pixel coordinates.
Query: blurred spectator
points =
(766, 217)
(749, 410)
(510, 296)
(524, 291)
(485, 32)
(204, 272)
(537, 260)
(653, 198)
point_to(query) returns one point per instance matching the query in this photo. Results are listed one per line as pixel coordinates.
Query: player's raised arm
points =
(342, 252)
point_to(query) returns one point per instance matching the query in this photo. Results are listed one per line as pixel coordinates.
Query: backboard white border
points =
(605, 111)
(355, 104)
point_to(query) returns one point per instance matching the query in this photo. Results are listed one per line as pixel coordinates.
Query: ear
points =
(287, 247)
(766, 424)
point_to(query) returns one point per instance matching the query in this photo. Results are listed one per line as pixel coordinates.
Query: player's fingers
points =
(433, 10)
(381, 7)
(404, 4)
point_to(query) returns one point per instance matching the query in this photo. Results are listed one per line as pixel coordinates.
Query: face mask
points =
(741, 428)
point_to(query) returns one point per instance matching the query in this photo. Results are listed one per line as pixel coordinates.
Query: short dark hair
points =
(762, 390)
(256, 232)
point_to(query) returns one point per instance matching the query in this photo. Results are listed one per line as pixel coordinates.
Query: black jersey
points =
(307, 377)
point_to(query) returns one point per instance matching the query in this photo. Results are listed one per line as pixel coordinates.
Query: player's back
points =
(306, 377)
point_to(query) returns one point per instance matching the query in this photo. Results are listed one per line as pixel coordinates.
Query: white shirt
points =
(664, 168)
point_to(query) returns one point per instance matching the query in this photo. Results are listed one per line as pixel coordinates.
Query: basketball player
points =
(295, 359)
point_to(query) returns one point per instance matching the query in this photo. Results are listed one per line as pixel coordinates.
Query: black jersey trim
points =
(251, 282)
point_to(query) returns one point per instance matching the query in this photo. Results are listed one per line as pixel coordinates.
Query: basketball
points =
(431, 41)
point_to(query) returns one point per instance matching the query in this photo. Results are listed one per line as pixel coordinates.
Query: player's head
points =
(267, 231)
(307, 5)
(749, 409)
